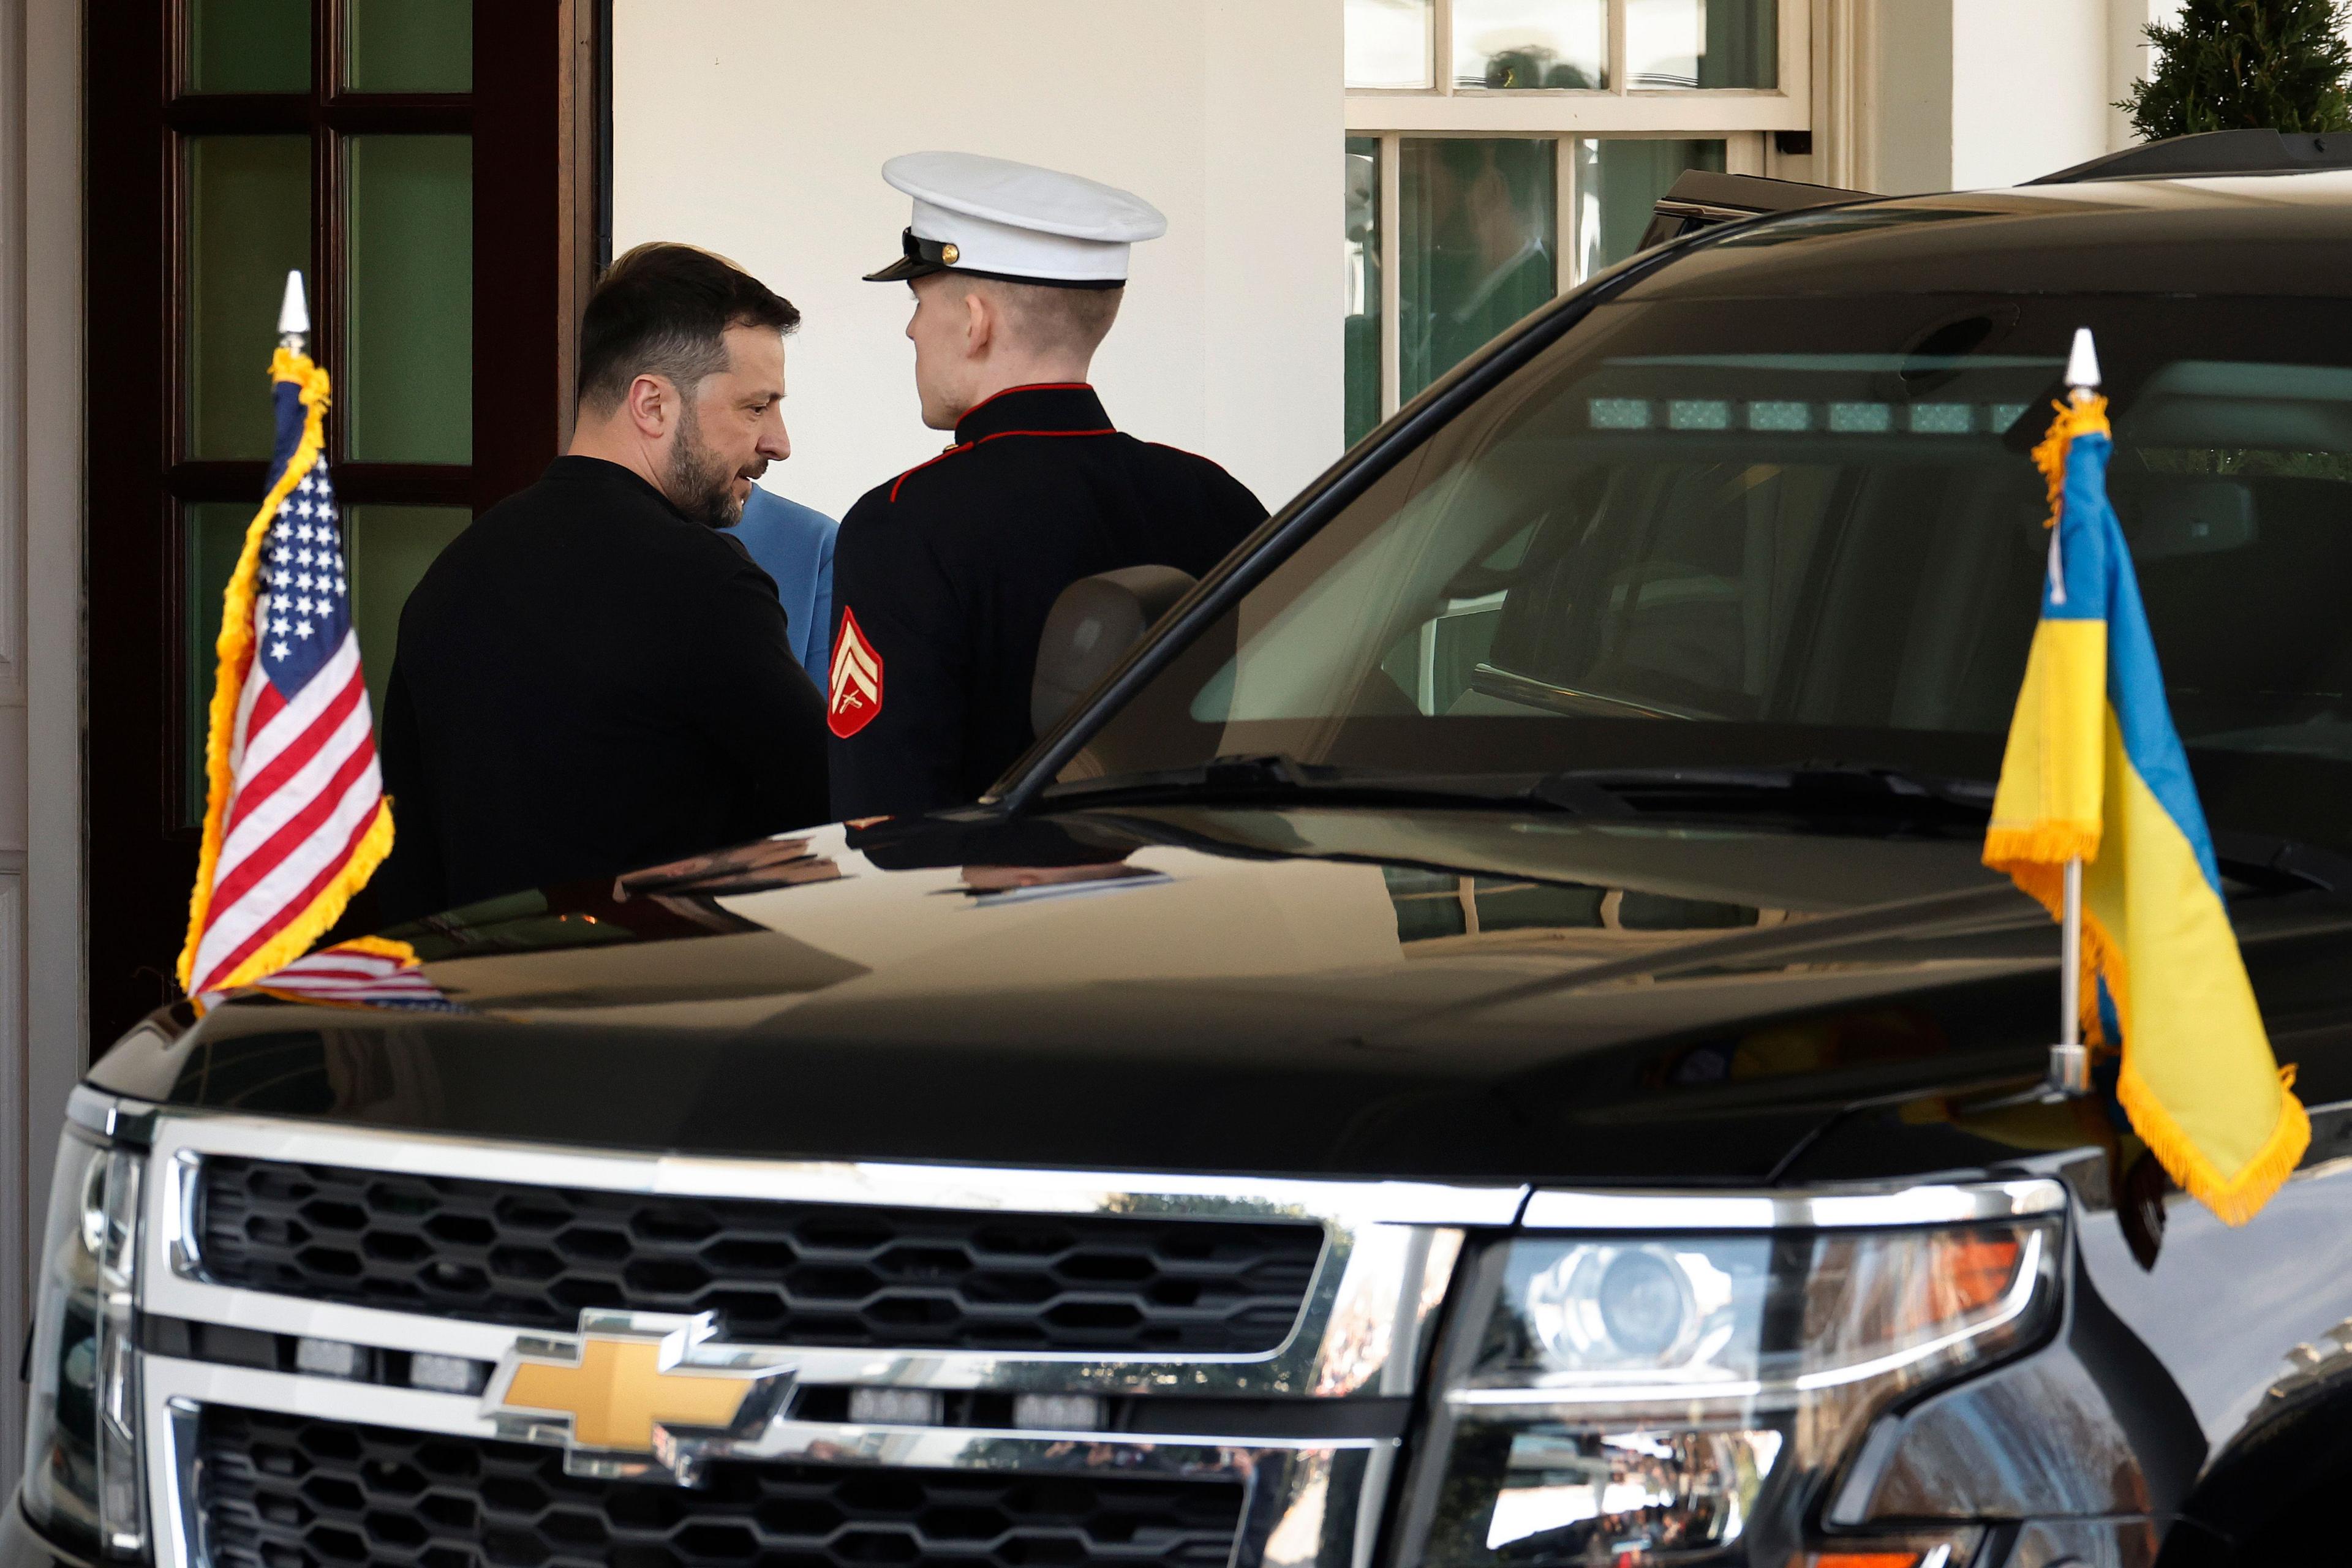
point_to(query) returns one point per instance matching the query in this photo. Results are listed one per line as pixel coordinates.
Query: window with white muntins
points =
(1500, 152)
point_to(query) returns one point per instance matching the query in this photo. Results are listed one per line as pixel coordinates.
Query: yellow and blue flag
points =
(2095, 769)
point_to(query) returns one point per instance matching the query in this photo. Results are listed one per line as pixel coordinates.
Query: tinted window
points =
(1781, 531)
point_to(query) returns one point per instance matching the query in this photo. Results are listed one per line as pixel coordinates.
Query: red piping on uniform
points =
(918, 468)
(984, 440)
(1032, 386)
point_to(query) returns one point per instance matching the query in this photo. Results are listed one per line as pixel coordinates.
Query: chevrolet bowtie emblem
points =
(636, 1394)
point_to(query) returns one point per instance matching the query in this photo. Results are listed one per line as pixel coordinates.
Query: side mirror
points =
(1090, 628)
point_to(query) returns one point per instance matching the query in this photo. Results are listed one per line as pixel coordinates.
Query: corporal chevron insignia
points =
(856, 695)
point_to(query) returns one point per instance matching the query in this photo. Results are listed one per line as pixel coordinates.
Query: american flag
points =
(296, 821)
(369, 971)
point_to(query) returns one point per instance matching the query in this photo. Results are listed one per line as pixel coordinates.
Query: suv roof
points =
(2214, 152)
(1702, 198)
(2275, 234)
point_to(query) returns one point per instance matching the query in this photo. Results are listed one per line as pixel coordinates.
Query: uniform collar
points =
(1061, 408)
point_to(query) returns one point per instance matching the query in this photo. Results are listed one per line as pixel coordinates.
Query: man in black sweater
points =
(593, 678)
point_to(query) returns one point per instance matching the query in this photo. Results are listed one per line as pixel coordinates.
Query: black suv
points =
(1485, 1041)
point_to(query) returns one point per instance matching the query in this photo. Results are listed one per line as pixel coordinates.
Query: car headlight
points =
(82, 1482)
(1628, 1398)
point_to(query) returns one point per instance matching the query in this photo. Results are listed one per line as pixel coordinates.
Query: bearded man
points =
(593, 676)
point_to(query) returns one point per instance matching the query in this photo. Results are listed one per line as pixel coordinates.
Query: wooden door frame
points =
(538, 115)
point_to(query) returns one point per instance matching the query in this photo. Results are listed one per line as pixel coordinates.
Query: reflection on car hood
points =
(1467, 994)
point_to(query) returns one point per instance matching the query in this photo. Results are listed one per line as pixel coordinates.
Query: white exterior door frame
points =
(41, 639)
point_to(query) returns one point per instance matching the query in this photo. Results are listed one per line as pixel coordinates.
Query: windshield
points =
(1791, 530)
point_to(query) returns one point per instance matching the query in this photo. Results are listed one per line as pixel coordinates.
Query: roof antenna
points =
(2082, 368)
(293, 314)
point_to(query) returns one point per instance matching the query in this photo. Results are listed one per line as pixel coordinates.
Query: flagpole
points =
(2070, 1060)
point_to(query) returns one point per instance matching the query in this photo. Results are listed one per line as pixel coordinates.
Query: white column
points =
(41, 969)
(1914, 96)
(1847, 133)
(19, 1228)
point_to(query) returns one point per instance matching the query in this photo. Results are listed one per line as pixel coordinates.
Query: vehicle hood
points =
(1464, 994)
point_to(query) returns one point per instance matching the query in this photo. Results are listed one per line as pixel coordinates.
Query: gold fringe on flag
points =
(2234, 1200)
(236, 653)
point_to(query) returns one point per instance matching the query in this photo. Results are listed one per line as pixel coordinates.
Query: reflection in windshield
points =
(1717, 533)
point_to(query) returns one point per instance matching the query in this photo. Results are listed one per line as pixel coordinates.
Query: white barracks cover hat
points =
(995, 218)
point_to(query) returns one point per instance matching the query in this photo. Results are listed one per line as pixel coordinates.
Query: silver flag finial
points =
(294, 315)
(2082, 363)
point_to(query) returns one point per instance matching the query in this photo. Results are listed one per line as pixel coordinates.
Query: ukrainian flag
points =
(2095, 769)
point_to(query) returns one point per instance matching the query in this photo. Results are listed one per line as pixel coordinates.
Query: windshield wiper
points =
(1825, 789)
(1280, 777)
(1813, 788)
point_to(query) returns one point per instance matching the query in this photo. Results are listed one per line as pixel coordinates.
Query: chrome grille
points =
(815, 1274)
(293, 1492)
(1298, 1429)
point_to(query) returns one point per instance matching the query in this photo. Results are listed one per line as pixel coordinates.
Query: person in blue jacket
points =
(794, 544)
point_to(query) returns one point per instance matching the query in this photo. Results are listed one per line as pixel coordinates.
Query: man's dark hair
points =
(664, 310)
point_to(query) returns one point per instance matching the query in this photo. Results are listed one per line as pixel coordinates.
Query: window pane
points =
(212, 532)
(1618, 182)
(249, 223)
(411, 46)
(391, 548)
(409, 395)
(1388, 43)
(1363, 274)
(1703, 43)
(1478, 222)
(1530, 42)
(250, 46)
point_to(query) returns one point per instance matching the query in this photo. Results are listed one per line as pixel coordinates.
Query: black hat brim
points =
(917, 258)
(909, 268)
(905, 269)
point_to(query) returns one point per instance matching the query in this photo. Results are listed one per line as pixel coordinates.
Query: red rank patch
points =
(856, 679)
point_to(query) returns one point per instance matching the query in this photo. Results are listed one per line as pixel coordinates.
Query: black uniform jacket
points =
(588, 682)
(942, 579)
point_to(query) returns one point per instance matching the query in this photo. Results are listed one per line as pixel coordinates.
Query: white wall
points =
(2028, 89)
(1977, 93)
(759, 127)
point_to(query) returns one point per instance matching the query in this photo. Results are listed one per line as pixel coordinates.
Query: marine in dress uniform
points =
(943, 576)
